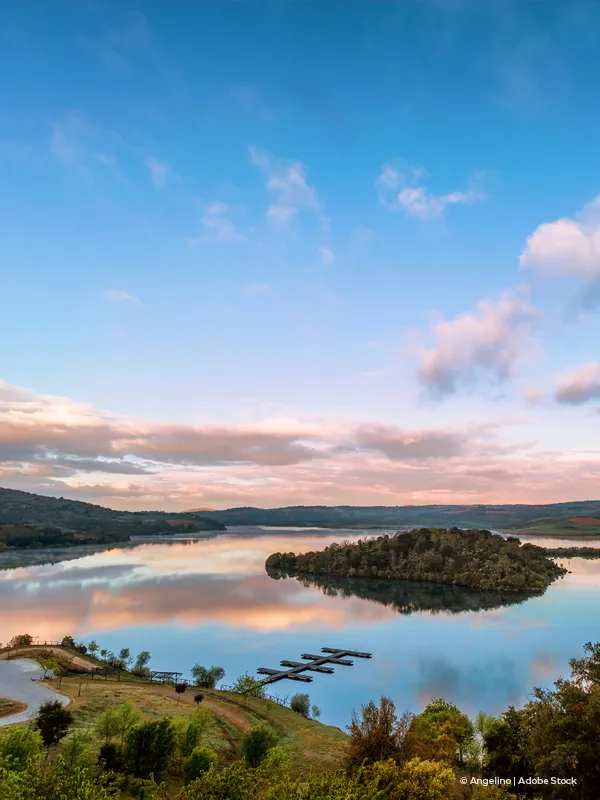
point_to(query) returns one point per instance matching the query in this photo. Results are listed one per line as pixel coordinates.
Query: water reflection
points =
(407, 597)
(211, 601)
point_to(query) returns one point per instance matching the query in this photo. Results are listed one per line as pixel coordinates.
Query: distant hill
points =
(23, 508)
(493, 517)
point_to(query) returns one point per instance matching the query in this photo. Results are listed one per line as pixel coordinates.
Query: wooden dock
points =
(312, 663)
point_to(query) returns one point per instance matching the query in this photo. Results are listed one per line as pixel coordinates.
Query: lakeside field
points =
(313, 746)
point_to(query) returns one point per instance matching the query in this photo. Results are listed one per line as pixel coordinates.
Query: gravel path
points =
(19, 681)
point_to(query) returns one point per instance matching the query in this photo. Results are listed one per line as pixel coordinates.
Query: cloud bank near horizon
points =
(55, 445)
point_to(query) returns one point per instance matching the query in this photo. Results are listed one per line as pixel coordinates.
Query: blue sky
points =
(328, 229)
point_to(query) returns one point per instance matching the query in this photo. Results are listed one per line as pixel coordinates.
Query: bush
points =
(19, 746)
(257, 743)
(150, 747)
(301, 704)
(200, 760)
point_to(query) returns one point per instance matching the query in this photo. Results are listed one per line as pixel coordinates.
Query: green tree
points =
(53, 721)
(200, 760)
(441, 732)
(248, 686)
(207, 678)
(150, 747)
(191, 730)
(108, 725)
(93, 647)
(256, 744)
(300, 703)
(506, 745)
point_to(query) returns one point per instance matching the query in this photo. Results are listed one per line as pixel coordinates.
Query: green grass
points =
(312, 745)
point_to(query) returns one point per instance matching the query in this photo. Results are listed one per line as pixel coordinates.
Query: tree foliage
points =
(378, 734)
(207, 677)
(53, 721)
(257, 743)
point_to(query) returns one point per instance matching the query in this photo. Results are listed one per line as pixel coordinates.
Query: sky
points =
(300, 252)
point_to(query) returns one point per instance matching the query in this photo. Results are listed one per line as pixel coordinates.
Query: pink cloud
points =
(579, 385)
(61, 447)
(481, 344)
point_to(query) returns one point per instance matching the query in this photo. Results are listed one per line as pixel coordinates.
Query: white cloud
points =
(482, 343)
(579, 384)
(568, 246)
(160, 174)
(286, 180)
(397, 191)
(327, 255)
(217, 227)
(120, 296)
(532, 394)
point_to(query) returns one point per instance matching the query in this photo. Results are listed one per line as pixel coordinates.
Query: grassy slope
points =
(312, 745)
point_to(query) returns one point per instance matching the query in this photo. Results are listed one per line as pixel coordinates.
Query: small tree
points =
(108, 725)
(300, 703)
(199, 761)
(248, 686)
(125, 657)
(257, 743)
(47, 664)
(315, 712)
(207, 678)
(378, 735)
(180, 689)
(140, 668)
(103, 653)
(53, 721)
(93, 647)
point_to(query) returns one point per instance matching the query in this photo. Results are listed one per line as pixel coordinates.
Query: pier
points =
(312, 663)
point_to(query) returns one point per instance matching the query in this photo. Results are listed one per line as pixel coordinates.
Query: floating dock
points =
(312, 663)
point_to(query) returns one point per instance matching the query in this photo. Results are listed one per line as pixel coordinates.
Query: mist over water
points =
(211, 601)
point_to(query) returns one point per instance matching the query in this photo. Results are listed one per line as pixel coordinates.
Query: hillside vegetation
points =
(475, 558)
(50, 514)
(495, 517)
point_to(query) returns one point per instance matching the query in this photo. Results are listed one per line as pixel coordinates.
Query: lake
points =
(210, 601)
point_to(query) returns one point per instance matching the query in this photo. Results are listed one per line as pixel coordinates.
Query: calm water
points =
(210, 601)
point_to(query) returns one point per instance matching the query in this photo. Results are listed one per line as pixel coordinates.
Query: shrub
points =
(257, 743)
(150, 747)
(200, 760)
(301, 704)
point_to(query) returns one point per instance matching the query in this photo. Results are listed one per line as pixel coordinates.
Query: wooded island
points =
(475, 558)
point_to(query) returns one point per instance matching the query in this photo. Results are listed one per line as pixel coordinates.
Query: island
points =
(474, 558)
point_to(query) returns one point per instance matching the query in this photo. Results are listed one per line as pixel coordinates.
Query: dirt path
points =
(78, 661)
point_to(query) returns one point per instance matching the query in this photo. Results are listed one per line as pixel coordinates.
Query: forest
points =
(474, 558)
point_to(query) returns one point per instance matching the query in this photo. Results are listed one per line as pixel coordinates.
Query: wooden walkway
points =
(313, 663)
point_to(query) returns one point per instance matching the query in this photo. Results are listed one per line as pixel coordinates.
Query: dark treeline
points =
(30, 537)
(474, 558)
